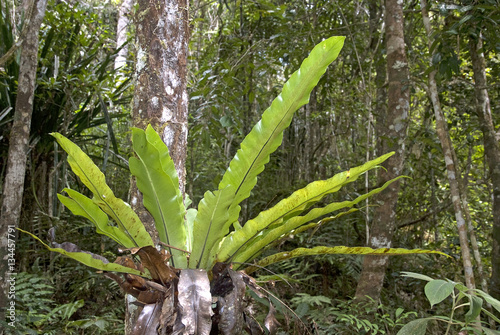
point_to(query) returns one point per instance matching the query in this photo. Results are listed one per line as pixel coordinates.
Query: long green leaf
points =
(209, 226)
(79, 204)
(89, 260)
(266, 136)
(273, 233)
(283, 215)
(94, 179)
(157, 180)
(299, 252)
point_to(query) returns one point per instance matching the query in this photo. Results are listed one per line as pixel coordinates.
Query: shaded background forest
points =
(241, 52)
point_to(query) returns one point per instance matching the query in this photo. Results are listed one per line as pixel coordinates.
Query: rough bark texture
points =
(391, 129)
(121, 32)
(160, 96)
(449, 158)
(18, 150)
(492, 151)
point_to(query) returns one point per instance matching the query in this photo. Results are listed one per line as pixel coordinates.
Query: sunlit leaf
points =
(266, 136)
(300, 252)
(121, 213)
(244, 244)
(79, 204)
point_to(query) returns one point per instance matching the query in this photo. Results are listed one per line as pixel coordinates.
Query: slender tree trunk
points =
(160, 96)
(492, 151)
(392, 133)
(16, 161)
(121, 32)
(451, 167)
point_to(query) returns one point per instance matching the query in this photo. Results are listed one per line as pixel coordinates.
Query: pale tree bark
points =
(392, 133)
(492, 151)
(449, 158)
(18, 150)
(375, 9)
(124, 13)
(160, 96)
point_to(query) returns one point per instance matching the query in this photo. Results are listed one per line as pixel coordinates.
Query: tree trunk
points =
(16, 161)
(160, 96)
(492, 151)
(449, 158)
(448, 150)
(121, 32)
(392, 135)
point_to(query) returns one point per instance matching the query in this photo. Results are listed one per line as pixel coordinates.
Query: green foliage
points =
(133, 233)
(75, 69)
(437, 290)
(241, 176)
(300, 252)
(39, 312)
(36, 311)
(87, 258)
(156, 175)
(157, 179)
(349, 317)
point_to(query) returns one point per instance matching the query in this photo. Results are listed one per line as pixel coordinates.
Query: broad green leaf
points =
(416, 275)
(437, 290)
(266, 136)
(121, 212)
(415, 327)
(489, 299)
(79, 204)
(89, 260)
(210, 226)
(244, 244)
(157, 180)
(300, 252)
(476, 304)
